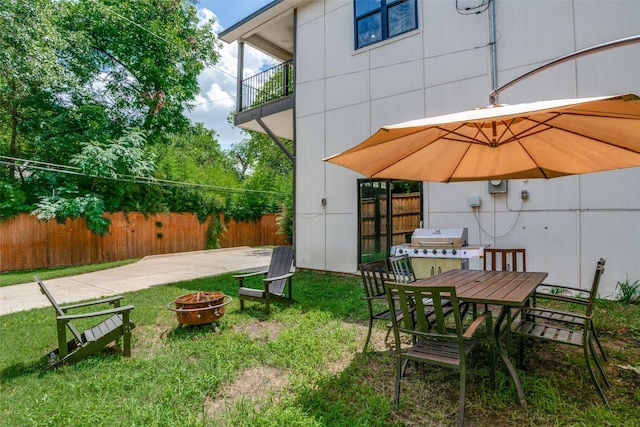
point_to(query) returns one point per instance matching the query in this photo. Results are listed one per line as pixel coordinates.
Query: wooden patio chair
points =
(81, 345)
(504, 259)
(496, 259)
(402, 269)
(276, 282)
(571, 295)
(436, 342)
(374, 275)
(403, 273)
(567, 328)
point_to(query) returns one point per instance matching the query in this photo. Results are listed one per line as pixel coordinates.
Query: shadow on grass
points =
(19, 370)
(181, 332)
(362, 394)
(41, 367)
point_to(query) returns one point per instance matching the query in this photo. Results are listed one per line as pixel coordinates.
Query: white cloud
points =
(218, 87)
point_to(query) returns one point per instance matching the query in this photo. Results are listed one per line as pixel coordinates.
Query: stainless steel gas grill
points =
(436, 250)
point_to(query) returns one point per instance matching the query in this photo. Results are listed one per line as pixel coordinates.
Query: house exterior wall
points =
(344, 95)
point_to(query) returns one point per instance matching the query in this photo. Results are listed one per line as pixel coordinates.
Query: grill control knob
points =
(444, 252)
(434, 251)
(424, 251)
(453, 252)
(415, 251)
(400, 251)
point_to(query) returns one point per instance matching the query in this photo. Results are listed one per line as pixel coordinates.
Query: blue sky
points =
(230, 12)
(218, 84)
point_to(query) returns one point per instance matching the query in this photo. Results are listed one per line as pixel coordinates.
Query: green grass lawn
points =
(8, 278)
(302, 366)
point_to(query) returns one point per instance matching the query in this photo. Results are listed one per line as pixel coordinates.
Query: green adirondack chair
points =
(276, 285)
(81, 345)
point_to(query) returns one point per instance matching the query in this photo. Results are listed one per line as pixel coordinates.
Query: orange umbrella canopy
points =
(544, 139)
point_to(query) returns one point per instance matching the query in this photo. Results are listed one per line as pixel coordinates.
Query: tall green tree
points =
(266, 174)
(108, 173)
(141, 59)
(196, 159)
(30, 71)
(78, 72)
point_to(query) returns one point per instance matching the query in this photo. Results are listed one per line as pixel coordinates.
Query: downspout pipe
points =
(494, 85)
(583, 52)
(492, 42)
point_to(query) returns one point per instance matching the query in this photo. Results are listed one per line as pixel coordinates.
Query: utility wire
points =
(72, 170)
(472, 10)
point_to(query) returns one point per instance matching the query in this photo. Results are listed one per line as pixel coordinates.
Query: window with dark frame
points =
(377, 20)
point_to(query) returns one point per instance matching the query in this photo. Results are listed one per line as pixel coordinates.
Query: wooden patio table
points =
(508, 289)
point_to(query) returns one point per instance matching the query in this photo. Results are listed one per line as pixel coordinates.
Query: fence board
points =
(406, 218)
(27, 243)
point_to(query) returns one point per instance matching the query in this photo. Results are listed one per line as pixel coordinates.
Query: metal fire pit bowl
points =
(199, 308)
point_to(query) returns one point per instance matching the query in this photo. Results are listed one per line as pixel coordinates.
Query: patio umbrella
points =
(544, 139)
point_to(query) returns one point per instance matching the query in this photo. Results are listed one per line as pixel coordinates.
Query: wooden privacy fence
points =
(27, 243)
(405, 218)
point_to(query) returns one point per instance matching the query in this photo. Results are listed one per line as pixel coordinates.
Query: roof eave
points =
(247, 26)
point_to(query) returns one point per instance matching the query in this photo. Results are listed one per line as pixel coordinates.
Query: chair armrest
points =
(90, 303)
(240, 277)
(253, 273)
(96, 313)
(273, 279)
(471, 330)
(560, 296)
(563, 298)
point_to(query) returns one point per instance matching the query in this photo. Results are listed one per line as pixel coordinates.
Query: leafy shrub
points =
(629, 291)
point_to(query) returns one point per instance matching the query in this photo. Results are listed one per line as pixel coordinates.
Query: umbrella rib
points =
(529, 131)
(463, 138)
(406, 155)
(551, 126)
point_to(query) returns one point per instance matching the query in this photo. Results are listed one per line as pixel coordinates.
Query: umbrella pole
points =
(587, 51)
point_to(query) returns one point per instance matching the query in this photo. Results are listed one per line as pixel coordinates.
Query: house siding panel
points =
(396, 79)
(348, 89)
(310, 98)
(445, 66)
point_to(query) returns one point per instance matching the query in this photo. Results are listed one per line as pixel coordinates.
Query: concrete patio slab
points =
(150, 271)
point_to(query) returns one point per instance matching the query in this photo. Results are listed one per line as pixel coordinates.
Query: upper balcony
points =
(266, 100)
(268, 96)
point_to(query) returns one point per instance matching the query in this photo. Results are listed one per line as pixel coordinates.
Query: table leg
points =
(504, 311)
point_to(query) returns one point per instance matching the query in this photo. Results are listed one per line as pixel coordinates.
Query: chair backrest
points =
(374, 275)
(410, 299)
(281, 263)
(594, 286)
(59, 309)
(402, 269)
(505, 259)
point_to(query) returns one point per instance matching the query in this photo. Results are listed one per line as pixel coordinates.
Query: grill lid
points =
(440, 237)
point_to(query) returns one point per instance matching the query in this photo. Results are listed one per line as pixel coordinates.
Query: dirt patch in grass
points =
(255, 386)
(263, 331)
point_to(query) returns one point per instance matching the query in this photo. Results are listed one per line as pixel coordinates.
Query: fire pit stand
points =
(200, 308)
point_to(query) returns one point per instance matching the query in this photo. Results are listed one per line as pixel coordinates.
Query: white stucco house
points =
(352, 66)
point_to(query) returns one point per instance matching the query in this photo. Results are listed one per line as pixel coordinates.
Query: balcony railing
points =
(270, 85)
